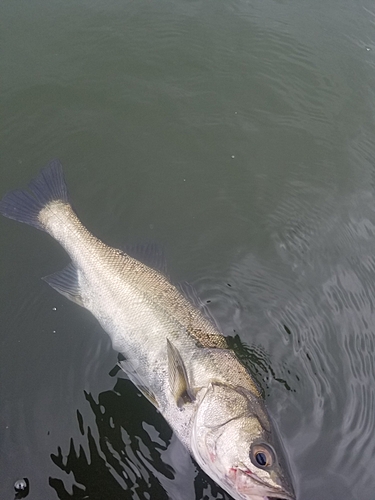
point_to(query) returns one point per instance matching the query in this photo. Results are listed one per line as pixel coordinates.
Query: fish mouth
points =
(272, 497)
(278, 498)
(249, 486)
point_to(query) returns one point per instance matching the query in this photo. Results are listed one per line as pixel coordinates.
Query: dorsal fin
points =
(150, 254)
(190, 293)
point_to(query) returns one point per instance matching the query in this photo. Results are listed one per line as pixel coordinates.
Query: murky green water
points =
(240, 136)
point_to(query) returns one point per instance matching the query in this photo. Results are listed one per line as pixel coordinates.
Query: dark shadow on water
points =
(116, 451)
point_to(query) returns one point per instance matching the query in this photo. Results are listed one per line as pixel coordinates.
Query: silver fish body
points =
(173, 354)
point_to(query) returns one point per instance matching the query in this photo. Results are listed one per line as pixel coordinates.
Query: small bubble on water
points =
(53, 331)
(21, 487)
(232, 156)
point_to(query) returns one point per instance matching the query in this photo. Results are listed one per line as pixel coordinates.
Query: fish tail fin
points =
(24, 205)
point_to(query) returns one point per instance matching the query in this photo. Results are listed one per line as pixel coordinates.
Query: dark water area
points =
(240, 136)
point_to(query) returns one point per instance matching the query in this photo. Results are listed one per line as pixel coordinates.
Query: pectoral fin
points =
(178, 379)
(66, 283)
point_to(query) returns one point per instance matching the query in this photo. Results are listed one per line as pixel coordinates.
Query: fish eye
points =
(262, 455)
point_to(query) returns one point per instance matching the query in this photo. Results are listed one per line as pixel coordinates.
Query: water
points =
(240, 135)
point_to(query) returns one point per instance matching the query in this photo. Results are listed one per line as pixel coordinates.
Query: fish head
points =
(233, 442)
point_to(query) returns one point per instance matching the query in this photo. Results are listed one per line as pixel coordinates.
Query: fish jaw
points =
(250, 487)
(244, 485)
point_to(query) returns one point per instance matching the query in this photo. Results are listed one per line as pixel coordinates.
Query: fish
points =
(174, 354)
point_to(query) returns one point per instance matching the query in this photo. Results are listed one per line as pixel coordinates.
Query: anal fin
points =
(66, 282)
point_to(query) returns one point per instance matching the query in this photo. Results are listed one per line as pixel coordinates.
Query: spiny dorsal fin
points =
(66, 282)
(150, 254)
(208, 340)
(178, 379)
(203, 337)
(190, 293)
